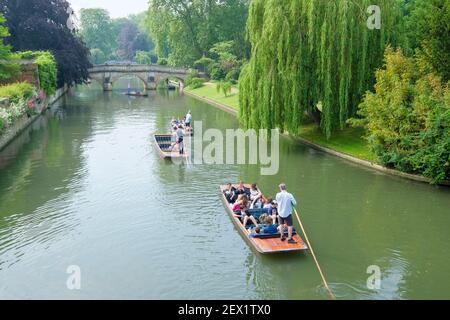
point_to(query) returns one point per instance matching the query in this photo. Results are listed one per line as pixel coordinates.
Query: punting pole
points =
(333, 297)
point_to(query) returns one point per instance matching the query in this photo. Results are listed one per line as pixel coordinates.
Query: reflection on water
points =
(85, 186)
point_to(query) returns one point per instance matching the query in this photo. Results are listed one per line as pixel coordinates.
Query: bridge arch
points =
(138, 76)
(150, 75)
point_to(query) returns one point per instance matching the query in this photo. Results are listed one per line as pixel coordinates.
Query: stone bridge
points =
(151, 75)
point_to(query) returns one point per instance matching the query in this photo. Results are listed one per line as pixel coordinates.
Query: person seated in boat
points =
(241, 201)
(241, 189)
(255, 194)
(180, 139)
(229, 193)
(268, 204)
(274, 212)
(258, 204)
(268, 227)
(188, 119)
(246, 216)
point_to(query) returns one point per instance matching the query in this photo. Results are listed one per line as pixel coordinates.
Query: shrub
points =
(163, 61)
(225, 87)
(47, 72)
(408, 117)
(17, 91)
(196, 83)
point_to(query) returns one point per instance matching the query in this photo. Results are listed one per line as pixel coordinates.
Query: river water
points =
(85, 188)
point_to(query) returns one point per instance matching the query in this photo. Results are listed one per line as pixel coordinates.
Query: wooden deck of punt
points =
(264, 246)
(164, 143)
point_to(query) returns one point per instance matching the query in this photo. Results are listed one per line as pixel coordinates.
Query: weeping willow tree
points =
(314, 57)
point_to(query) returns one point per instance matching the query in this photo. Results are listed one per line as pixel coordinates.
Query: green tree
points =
(97, 56)
(430, 29)
(6, 69)
(225, 87)
(41, 25)
(145, 57)
(408, 117)
(185, 30)
(311, 52)
(97, 30)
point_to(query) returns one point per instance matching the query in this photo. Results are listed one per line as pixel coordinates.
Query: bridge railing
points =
(137, 68)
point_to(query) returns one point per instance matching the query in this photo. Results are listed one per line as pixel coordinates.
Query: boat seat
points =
(271, 235)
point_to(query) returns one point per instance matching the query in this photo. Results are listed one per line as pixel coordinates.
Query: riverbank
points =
(347, 144)
(11, 132)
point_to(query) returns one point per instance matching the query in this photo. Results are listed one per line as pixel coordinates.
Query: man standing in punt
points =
(286, 203)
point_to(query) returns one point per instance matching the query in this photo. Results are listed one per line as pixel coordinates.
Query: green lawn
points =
(209, 91)
(349, 140)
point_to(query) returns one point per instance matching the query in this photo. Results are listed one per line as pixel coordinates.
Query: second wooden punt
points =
(167, 147)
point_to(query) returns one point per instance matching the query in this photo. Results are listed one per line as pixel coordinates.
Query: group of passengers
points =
(185, 123)
(277, 213)
(178, 128)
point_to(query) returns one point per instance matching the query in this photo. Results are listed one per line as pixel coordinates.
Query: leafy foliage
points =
(430, 29)
(408, 117)
(42, 25)
(196, 83)
(225, 87)
(6, 69)
(185, 30)
(47, 68)
(145, 57)
(17, 91)
(311, 52)
(98, 33)
(162, 61)
(193, 81)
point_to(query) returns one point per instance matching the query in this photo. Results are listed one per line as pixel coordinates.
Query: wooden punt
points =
(262, 245)
(164, 144)
(136, 94)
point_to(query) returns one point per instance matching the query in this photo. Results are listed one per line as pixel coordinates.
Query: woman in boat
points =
(242, 201)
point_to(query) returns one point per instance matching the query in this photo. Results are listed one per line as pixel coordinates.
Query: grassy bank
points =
(209, 91)
(349, 141)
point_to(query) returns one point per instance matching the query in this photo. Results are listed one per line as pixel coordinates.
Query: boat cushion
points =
(271, 235)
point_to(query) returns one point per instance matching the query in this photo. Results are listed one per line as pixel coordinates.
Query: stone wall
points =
(29, 72)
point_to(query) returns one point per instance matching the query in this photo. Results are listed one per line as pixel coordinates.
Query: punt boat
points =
(265, 244)
(136, 94)
(167, 148)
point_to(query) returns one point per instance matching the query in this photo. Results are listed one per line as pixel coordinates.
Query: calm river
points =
(85, 187)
